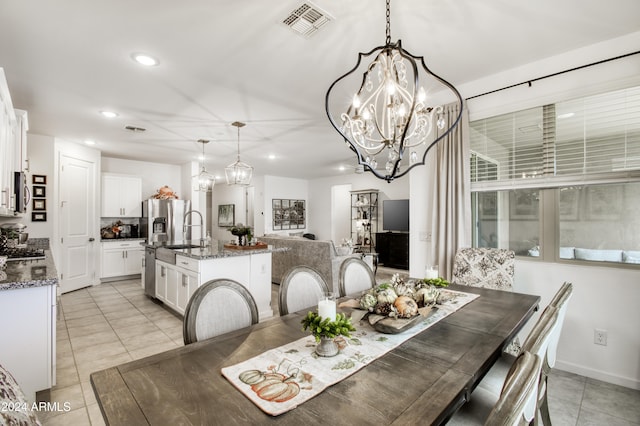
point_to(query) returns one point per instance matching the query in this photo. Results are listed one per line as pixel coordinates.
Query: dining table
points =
(422, 381)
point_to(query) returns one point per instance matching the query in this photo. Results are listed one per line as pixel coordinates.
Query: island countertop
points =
(29, 273)
(215, 252)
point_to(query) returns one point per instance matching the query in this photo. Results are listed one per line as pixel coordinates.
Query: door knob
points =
(91, 239)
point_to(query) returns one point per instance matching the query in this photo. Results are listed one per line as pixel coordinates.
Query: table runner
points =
(283, 378)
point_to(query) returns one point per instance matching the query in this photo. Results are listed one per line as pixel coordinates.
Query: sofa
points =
(320, 255)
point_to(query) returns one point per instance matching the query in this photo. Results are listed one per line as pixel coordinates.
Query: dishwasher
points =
(150, 271)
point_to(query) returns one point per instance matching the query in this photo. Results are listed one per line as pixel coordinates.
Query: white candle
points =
(327, 308)
(431, 272)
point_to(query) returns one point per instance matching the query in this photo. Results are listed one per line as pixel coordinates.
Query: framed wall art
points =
(226, 215)
(38, 217)
(39, 204)
(39, 191)
(39, 179)
(288, 214)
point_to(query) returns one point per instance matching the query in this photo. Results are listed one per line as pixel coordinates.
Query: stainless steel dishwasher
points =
(150, 271)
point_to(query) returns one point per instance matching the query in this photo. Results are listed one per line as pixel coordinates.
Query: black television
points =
(395, 215)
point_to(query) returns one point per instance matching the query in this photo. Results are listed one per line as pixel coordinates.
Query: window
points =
(560, 181)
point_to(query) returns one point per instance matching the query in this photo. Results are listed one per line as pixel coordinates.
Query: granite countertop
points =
(29, 273)
(215, 252)
(107, 240)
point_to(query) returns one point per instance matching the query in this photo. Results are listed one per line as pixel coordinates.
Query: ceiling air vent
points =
(135, 129)
(307, 19)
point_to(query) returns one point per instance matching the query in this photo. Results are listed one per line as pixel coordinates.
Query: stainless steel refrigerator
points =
(163, 222)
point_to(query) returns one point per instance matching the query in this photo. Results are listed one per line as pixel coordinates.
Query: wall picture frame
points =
(39, 204)
(226, 215)
(288, 214)
(39, 179)
(38, 217)
(39, 191)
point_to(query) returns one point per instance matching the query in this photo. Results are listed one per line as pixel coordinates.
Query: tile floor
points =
(112, 323)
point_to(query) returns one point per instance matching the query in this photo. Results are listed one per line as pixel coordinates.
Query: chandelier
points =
(204, 179)
(238, 173)
(391, 118)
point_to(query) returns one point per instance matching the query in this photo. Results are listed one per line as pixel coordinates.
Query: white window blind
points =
(572, 141)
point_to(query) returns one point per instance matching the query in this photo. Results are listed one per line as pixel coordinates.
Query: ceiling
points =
(223, 61)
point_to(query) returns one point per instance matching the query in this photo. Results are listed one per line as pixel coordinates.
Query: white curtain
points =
(451, 176)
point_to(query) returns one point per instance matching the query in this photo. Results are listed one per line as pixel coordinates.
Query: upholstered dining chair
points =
(300, 288)
(355, 276)
(484, 267)
(517, 402)
(489, 390)
(217, 307)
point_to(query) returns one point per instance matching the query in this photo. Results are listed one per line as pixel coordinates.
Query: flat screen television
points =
(395, 215)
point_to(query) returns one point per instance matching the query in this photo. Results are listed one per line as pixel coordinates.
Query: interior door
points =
(77, 177)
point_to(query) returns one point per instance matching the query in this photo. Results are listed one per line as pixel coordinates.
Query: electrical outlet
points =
(600, 337)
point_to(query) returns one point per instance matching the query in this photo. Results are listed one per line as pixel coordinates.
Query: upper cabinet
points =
(121, 196)
(13, 147)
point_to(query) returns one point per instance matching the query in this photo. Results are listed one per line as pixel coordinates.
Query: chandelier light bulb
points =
(356, 101)
(422, 95)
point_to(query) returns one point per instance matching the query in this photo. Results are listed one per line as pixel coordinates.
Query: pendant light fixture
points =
(392, 120)
(238, 173)
(204, 180)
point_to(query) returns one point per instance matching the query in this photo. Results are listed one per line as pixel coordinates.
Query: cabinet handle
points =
(184, 281)
(184, 263)
(123, 254)
(162, 271)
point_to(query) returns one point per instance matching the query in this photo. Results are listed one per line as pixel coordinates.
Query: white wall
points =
(605, 297)
(154, 175)
(225, 194)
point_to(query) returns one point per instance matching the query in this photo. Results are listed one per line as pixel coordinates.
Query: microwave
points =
(21, 192)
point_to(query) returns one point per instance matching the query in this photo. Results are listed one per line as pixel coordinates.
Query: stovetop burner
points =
(22, 253)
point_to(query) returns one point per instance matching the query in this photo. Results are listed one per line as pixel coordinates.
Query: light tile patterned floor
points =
(112, 323)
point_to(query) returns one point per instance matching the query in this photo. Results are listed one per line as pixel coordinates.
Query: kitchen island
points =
(180, 271)
(28, 313)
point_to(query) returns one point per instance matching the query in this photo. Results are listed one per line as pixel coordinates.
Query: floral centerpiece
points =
(400, 298)
(244, 233)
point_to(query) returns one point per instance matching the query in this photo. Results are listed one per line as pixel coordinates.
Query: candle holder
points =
(431, 272)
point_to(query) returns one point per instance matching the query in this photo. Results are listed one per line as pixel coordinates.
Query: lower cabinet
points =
(120, 258)
(175, 285)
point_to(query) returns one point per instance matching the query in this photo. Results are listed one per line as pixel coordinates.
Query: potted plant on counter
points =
(241, 231)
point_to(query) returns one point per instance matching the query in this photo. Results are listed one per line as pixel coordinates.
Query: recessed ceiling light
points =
(109, 114)
(272, 156)
(144, 59)
(341, 168)
(89, 142)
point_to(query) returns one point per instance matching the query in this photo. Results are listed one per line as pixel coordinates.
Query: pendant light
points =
(238, 173)
(392, 120)
(204, 180)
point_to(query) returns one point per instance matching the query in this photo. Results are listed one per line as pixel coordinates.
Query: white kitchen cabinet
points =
(121, 258)
(21, 163)
(172, 287)
(161, 280)
(121, 196)
(8, 125)
(28, 337)
(188, 280)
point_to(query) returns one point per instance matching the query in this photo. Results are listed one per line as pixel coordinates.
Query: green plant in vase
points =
(324, 330)
(240, 231)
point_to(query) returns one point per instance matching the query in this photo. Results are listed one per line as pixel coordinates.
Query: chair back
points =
(355, 277)
(538, 339)
(484, 267)
(560, 301)
(217, 307)
(518, 399)
(301, 288)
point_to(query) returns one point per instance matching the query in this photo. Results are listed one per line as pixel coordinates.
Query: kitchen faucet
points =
(185, 226)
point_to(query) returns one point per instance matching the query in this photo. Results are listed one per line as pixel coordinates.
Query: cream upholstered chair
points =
(484, 267)
(355, 276)
(489, 390)
(217, 307)
(517, 402)
(301, 288)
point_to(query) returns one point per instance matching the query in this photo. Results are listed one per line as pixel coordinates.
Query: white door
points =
(78, 227)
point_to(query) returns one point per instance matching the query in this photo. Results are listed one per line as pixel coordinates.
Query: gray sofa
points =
(320, 255)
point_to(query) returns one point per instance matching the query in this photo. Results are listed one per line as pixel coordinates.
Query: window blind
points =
(585, 139)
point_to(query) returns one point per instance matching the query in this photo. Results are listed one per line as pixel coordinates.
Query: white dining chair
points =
(355, 277)
(517, 402)
(217, 307)
(300, 288)
(488, 391)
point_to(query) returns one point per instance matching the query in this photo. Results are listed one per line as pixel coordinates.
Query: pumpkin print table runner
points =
(283, 378)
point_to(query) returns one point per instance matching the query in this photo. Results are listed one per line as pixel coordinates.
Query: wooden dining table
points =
(422, 381)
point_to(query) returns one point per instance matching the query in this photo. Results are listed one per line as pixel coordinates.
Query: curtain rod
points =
(528, 82)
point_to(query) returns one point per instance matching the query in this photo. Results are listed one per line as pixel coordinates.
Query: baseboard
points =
(598, 375)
